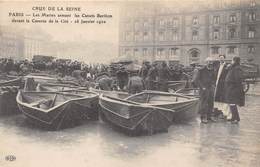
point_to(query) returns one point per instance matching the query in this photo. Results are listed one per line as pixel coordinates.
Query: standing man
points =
(235, 94)
(135, 84)
(205, 80)
(122, 77)
(163, 77)
(219, 103)
(151, 77)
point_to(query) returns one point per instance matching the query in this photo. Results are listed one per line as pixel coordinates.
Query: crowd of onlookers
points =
(61, 68)
(220, 83)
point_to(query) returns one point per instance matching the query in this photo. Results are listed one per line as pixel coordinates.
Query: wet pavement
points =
(192, 144)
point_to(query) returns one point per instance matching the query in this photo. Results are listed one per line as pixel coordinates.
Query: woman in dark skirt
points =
(235, 94)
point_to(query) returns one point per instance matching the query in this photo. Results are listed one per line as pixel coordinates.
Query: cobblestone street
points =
(218, 144)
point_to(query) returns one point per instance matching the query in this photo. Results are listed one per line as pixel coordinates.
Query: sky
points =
(67, 32)
(101, 40)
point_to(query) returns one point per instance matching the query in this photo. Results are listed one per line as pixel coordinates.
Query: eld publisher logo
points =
(10, 158)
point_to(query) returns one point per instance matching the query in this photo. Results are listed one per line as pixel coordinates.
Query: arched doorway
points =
(194, 55)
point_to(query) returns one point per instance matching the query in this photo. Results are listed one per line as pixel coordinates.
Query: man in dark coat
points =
(205, 80)
(105, 83)
(135, 84)
(122, 77)
(234, 92)
(163, 77)
(144, 70)
(151, 77)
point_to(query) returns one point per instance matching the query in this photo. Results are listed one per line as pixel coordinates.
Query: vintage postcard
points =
(129, 83)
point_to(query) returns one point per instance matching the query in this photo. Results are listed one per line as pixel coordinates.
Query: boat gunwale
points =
(62, 85)
(14, 78)
(99, 91)
(130, 103)
(189, 98)
(55, 107)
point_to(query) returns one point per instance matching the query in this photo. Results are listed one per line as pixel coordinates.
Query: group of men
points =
(221, 89)
(150, 77)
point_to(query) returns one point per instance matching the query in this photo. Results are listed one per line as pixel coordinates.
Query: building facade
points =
(22, 44)
(190, 31)
(11, 44)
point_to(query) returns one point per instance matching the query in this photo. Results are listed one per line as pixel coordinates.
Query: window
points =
(251, 16)
(175, 22)
(252, 3)
(161, 22)
(215, 50)
(216, 34)
(231, 50)
(136, 36)
(251, 32)
(251, 49)
(145, 51)
(136, 25)
(128, 25)
(195, 35)
(195, 21)
(175, 35)
(194, 55)
(232, 33)
(216, 19)
(173, 51)
(146, 36)
(160, 52)
(135, 52)
(127, 52)
(127, 36)
(161, 36)
(146, 23)
(233, 18)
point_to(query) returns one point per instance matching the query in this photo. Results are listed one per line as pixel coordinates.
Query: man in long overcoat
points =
(205, 80)
(234, 92)
(151, 77)
(163, 77)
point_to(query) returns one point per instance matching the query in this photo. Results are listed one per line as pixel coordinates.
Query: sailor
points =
(205, 80)
(144, 70)
(234, 92)
(163, 77)
(122, 77)
(105, 83)
(151, 77)
(135, 83)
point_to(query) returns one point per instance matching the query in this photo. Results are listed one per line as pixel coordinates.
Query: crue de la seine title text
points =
(54, 15)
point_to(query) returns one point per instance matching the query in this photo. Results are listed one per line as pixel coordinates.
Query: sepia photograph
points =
(128, 83)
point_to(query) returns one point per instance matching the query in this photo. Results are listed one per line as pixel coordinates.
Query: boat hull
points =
(10, 81)
(67, 115)
(134, 119)
(8, 103)
(181, 110)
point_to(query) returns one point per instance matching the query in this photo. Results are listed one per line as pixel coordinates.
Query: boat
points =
(8, 103)
(9, 86)
(148, 111)
(176, 85)
(31, 85)
(58, 110)
(185, 107)
(116, 94)
(51, 79)
(7, 80)
(134, 118)
(194, 92)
